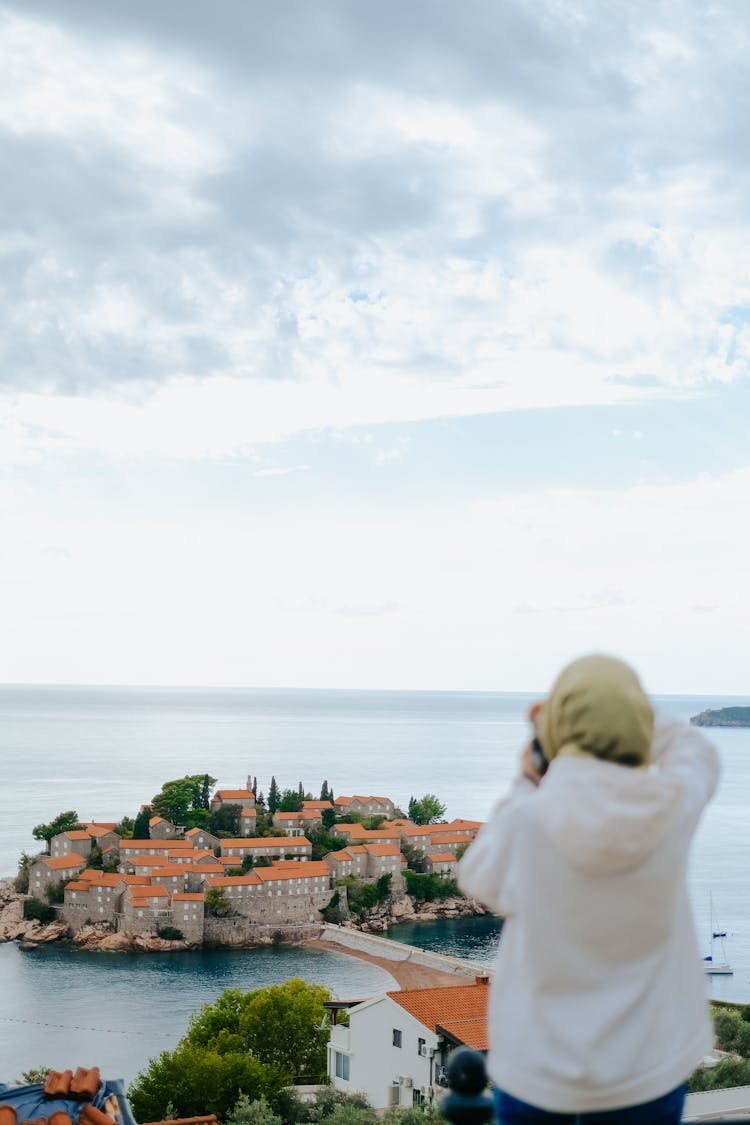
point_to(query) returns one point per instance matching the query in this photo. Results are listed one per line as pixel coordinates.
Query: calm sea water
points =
(104, 751)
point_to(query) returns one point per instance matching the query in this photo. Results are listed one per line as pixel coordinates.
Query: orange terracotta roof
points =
(208, 868)
(317, 805)
(134, 880)
(99, 827)
(442, 857)
(137, 892)
(449, 838)
(461, 823)
(415, 830)
(77, 886)
(433, 1006)
(63, 862)
(162, 845)
(237, 794)
(471, 1033)
(77, 834)
(233, 880)
(265, 842)
(382, 849)
(287, 815)
(157, 820)
(300, 871)
(188, 897)
(197, 831)
(149, 861)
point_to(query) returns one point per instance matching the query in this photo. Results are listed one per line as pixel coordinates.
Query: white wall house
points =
(394, 1051)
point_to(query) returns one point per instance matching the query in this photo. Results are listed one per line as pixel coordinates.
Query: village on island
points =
(230, 868)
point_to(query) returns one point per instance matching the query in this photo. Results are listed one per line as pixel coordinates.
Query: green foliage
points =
(170, 933)
(247, 1112)
(178, 798)
(63, 822)
(225, 821)
(328, 816)
(363, 896)
(333, 1107)
(247, 864)
(290, 801)
(732, 1030)
(331, 912)
(140, 824)
(414, 857)
(36, 911)
(324, 792)
(35, 1074)
(282, 1026)
(426, 810)
(427, 888)
(125, 828)
(54, 893)
(273, 797)
(201, 1080)
(95, 858)
(324, 842)
(21, 881)
(414, 1115)
(461, 849)
(729, 1072)
(217, 903)
(373, 822)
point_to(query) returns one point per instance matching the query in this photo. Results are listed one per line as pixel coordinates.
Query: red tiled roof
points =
(77, 886)
(472, 1033)
(147, 892)
(233, 880)
(77, 834)
(287, 815)
(382, 849)
(317, 805)
(156, 820)
(141, 845)
(237, 794)
(299, 871)
(449, 838)
(63, 862)
(433, 1006)
(188, 897)
(442, 857)
(265, 842)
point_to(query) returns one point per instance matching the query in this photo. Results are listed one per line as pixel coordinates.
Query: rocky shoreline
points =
(100, 937)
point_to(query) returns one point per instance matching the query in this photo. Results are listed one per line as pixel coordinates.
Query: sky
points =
(379, 345)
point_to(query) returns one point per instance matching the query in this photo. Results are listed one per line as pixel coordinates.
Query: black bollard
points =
(467, 1102)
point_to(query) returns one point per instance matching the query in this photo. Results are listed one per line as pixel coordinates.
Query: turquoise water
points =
(104, 751)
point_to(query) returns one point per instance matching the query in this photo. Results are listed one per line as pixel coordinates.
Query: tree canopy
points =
(426, 810)
(63, 822)
(185, 795)
(253, 1043)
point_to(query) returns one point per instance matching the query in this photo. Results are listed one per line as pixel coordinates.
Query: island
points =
(199, 867)
(723, 717)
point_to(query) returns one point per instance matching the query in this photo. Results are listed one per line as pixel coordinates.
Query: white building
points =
(397, 1045)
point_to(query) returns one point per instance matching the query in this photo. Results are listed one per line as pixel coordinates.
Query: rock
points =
(146, 943)
(37, 935)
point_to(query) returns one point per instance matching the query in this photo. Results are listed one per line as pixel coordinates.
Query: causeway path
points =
(409, 966)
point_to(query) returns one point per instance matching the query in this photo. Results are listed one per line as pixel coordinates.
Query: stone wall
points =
(397, 951)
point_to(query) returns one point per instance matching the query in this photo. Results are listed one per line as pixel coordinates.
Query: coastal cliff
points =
(723, 717)
(102, 937)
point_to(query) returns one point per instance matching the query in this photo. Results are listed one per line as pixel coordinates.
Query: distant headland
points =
(723, 717)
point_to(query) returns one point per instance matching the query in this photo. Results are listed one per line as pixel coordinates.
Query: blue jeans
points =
(666, 1110)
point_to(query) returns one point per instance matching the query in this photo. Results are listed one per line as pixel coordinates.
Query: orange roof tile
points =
(317, 805)
(63, 862)
(156, 820)
(233, 880)
(149, 861)
(99, 827)
(77, 886)
(237, 794)
(299, 871)
(433, 1006)
(134, 880)
(471, 1033)
(265, 842)
(141, 845)
(188, 897)
(77, 834)
(382, 849)
(449, 838)
(287, 815)
(442, 857)
(147, 892)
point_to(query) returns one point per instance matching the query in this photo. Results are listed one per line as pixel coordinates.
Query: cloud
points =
(281, 471)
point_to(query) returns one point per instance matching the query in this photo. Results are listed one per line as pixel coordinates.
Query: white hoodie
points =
(599, 995)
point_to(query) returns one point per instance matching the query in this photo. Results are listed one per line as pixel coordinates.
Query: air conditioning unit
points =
(405, 1080)
(424, 1091)
(424, 1052)
(441, 1074)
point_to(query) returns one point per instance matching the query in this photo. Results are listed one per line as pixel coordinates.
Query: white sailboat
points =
(716, 966)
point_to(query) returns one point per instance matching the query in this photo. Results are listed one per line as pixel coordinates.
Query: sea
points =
(103, 751)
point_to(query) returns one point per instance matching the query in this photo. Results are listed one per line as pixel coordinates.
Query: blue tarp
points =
(30, 1102)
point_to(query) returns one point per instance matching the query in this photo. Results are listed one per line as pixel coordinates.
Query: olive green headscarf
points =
(597, 706)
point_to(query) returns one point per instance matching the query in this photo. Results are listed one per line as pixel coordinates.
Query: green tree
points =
(125, 828)
(284, 1025)
(256, 1112)
(324, 792)
(328, 816)
(201, 1080)
(141, 824)
(217, 903)
(273, 797)
(426, 810)
(63, 822)
(205, 798)
(178, 798)
(290, 801)
(21, 881)
(225, 821)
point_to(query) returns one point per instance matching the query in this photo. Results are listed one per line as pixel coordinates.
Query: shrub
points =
(426, 888)
(54, 893)
(170, 933)
(36, 911)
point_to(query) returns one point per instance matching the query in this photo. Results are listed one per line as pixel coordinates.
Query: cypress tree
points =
(273, 797)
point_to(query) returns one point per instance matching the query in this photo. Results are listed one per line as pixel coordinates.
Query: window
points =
(341, 1065)
(396, 1037)
(421, 1044)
